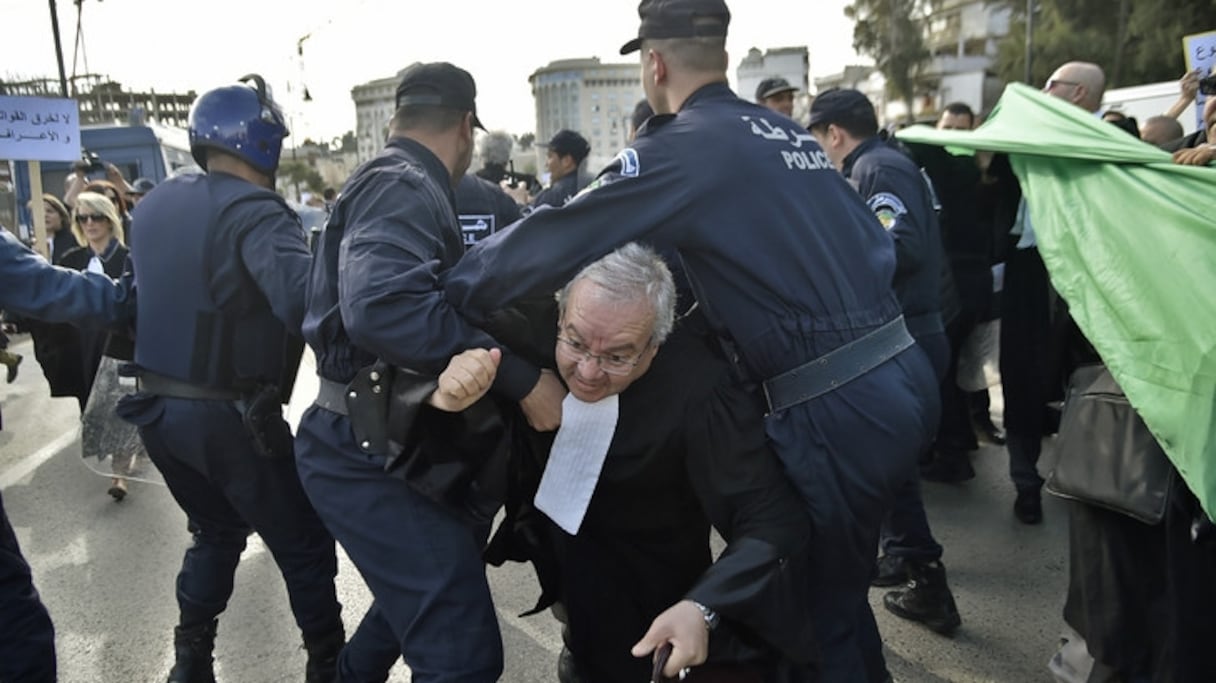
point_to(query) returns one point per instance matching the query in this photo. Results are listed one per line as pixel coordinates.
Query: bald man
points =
(1081, 83)
(1160, 130)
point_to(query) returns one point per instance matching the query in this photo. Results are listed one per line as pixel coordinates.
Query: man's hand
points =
(1196, 156)
(519, 194)
(543, 405)
(1189, 83)
(467, 378)
(683, 626)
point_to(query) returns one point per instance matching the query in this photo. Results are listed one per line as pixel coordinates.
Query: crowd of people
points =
(609, 368)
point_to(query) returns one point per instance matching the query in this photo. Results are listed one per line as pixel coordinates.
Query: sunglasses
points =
(1207, 86)
(95, 217)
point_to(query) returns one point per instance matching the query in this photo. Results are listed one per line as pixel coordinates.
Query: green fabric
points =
(1129, 240)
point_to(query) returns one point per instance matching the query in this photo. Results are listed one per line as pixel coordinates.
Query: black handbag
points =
(1107, 455)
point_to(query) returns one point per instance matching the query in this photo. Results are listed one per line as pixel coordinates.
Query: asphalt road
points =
(106, 571)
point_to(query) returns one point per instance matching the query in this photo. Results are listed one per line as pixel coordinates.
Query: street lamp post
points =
(1029, 41)
(63, 76)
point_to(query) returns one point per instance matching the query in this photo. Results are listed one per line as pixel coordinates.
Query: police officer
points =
(376, 305)
(567, 150)
(483, 208)
(792, 272)
(33, 288)
(776, 94)
(846, 126)
(221, 270)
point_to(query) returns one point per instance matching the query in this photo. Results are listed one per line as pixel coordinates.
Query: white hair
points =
(631, 273)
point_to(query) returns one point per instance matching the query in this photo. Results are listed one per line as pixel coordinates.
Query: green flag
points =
(1129, 240)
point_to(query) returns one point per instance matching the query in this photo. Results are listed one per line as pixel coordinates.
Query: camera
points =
(89, 163)
(1207, 86)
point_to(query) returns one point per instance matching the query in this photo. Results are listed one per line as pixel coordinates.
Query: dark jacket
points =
(688, 452)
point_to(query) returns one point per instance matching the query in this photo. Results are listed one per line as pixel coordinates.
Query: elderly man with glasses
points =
(656, 444)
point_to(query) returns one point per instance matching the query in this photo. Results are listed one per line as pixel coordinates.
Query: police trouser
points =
(27, 638)
(211, 467)
(905, 530)
(847, 452)
(423, 565)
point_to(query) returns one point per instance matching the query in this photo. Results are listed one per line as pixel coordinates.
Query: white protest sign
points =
(39, 129)
(1200, 52)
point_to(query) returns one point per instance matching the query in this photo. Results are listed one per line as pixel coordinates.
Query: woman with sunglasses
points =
(96, 223)
(117, 196)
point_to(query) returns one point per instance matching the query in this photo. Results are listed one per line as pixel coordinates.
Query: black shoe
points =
(192, 647)
(892, 571)
(323, 652)
(948, 469)
(12, 367)
(1028, 507)
(926, 599)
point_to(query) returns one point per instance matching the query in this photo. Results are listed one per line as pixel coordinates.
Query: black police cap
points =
(839, 105)
(772, 86)
(439, 84)
(679, 19)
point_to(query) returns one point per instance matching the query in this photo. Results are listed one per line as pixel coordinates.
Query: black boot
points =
(323, 652)
(193, 646)
(926, 598)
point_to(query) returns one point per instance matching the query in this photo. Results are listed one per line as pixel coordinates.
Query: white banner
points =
(39, 129)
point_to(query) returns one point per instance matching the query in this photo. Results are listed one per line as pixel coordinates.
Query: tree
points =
(299, 173)
(892, 32)
(1133, 42)
(349, 142)
(526, 141)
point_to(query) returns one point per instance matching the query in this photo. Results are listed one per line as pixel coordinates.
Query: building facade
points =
(962, 37)
(590, 97)
(375, 102)
(791, 63)
(103, 101)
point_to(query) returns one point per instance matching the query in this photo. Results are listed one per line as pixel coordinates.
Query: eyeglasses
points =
(1053, 82)
(95, 217)
(610, 363)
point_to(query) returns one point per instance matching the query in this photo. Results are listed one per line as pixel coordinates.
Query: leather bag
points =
(1107, 455)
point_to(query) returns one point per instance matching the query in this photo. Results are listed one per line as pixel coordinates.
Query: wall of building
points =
(374, 106)
(589, 97)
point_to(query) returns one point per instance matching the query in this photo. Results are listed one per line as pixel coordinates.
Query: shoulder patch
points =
(887, 208)
(631, 166)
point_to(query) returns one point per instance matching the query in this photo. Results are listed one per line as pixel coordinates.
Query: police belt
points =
(331, 396)
(169, 387)
(837, 367)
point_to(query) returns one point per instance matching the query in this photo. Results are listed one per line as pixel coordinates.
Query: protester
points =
(630, 544)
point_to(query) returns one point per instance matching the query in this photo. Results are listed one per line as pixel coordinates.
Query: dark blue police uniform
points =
(483, 207)
(558, 193)
(788, 264)
(375, 293)
(221, 271)
(900, 196)
(31, 287)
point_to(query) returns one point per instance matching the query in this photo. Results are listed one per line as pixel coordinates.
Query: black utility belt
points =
(837, 367)
(331, 396)
(169, 387)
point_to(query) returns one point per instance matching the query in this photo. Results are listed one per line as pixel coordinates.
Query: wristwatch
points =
(711, 617)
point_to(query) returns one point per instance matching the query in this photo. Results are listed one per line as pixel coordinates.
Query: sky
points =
(176, 45)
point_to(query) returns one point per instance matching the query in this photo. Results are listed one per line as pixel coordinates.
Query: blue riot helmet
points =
(241, 119)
